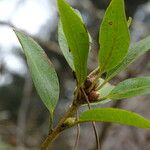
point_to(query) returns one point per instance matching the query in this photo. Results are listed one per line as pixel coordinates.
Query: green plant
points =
(115, 55)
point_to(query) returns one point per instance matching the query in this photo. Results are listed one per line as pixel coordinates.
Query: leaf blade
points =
(114, 115)
(64, 46)
(131, 87)
(135, 51)
(106, 89)
(77, 38)
(114, 36)
(42, 71)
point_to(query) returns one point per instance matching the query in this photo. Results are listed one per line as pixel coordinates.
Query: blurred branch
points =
(7, 24)
(22, 114)
(49, 46)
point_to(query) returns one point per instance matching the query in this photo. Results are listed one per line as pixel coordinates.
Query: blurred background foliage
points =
(23, 118)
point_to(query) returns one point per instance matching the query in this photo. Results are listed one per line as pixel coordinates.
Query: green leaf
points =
(114, 115)
(79, 14)
(77, 38)
(131, 87)
(64, 46)
(135, 51)
(42, 71)
(105, 90)
(114, 36)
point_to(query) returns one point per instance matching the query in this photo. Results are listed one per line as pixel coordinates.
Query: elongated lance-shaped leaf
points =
(79, 14)
(130, 88)
(135, 51)
(64, 46)
(77, 38)
(42, 71)
(114, 36)
(113, 115)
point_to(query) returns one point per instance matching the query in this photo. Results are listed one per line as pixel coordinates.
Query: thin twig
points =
(93, 123)
(78, 133)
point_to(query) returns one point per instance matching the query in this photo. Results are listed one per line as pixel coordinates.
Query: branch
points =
(49, 46)
(60, 127)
